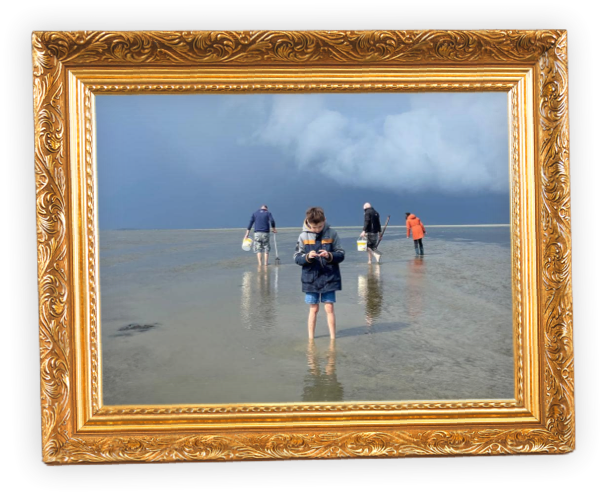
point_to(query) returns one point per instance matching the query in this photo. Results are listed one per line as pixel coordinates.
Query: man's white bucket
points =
(361, 243)
(247, 242)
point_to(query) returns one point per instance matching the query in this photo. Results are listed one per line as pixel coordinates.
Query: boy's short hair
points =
(315, 215)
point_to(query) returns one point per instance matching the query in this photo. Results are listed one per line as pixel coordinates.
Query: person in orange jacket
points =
(413, 223)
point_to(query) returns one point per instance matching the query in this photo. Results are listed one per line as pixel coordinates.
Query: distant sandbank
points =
(349, 227)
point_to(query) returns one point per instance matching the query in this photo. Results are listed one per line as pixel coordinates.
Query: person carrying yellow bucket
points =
(263, 220)
(372, 232)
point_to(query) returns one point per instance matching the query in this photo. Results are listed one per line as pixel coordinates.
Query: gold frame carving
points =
(70, 68)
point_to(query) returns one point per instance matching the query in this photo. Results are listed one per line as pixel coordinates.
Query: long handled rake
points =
(277, 259)
(382, 232)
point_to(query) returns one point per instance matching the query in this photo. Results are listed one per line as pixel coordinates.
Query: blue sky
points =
(209, 161)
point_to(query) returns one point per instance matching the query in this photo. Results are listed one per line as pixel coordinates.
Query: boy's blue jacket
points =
(319, 274)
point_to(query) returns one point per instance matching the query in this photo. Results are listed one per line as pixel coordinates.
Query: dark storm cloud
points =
(452, 143)
(208, 161)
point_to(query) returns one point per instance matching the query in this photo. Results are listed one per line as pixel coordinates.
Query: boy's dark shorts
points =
(324, 297)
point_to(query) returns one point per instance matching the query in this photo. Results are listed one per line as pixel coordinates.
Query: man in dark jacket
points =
(261, 238)
(372, 229)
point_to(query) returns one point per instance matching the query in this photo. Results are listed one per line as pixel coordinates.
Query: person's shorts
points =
(261, 242)
(371, 240)
(324, 297)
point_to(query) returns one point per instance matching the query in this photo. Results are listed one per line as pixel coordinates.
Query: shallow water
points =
(223, 330)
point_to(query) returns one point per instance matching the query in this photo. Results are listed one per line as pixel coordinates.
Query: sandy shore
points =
(215, 328)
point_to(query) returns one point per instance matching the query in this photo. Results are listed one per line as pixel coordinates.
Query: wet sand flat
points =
(189, 318)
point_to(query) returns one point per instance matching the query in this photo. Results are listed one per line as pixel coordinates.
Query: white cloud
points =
(455, 143)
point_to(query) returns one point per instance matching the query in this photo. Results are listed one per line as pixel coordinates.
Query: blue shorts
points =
(325, 297)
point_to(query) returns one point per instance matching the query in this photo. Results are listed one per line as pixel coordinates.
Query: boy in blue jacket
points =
(319, 253)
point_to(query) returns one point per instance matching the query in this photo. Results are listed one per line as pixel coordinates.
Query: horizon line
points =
(334, 226)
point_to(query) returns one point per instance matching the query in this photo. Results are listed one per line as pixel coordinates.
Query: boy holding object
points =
(319, 253)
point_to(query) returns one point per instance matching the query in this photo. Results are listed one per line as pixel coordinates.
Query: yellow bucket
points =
(247, 242)
(361, 243)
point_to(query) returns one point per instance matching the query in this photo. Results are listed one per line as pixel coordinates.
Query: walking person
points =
(414, 225)
(319, 253)
(263, 220)
(371, 229)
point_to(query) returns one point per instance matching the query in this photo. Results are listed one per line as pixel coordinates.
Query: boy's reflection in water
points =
(258, 299)
(370, 292)
(319, 386)
(415, 287)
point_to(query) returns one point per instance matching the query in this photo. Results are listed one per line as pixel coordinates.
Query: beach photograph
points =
(271, 248)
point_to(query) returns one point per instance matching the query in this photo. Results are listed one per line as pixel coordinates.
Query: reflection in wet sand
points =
(415, 287)
(436, 328)
(258, 299)
(319, 386)
(370, 293)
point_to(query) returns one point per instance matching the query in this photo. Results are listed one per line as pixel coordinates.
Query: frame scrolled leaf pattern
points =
(64, 439)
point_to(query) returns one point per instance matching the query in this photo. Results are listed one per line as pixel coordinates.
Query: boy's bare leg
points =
(369, 255)
(312, 319)
(266, 258)
(260, 259)
(330, 318)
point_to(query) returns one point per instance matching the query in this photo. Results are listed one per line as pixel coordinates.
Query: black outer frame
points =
(22, 241)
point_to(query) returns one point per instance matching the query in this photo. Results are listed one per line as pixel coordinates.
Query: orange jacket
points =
(418, 229)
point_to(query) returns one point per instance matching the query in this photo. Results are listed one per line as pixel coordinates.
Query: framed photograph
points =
(319, 244)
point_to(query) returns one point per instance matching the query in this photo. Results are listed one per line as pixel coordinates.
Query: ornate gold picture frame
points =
(70, 68)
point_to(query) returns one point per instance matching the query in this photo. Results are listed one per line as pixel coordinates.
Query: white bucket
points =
(247, 243)
(361, 243)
